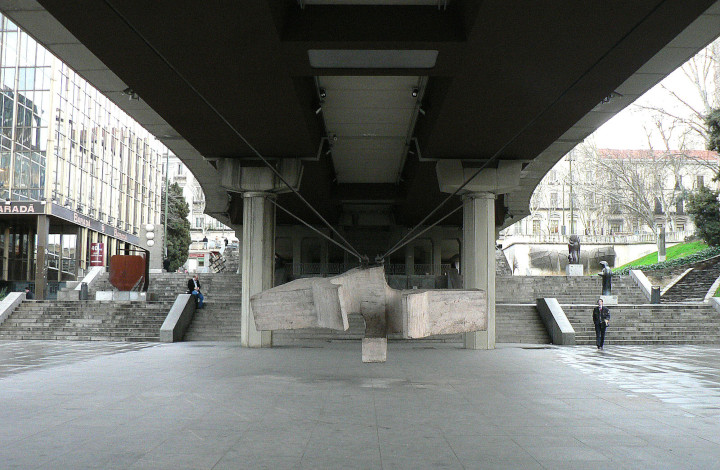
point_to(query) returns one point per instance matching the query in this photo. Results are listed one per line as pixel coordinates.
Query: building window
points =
(615, 226)
(536, 227)
(700, 182)
(554, 226)
(658, 206)
(553, 199)
(198, 222)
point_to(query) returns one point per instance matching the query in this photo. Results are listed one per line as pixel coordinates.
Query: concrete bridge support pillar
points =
(257, 262)
(478, 259)
(437, 256)
(297, 255)
(258, 185)
(324, 257)
(409, 259)
(477, 263)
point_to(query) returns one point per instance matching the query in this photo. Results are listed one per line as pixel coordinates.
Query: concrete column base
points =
(374, 349)
(574, 270)
(478, 340)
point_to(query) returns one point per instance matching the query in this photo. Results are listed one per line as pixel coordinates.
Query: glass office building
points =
(76, 172)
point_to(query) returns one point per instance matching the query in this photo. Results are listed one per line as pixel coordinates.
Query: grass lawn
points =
(677, 251)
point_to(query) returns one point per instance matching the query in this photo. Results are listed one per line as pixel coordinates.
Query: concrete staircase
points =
(85, 321)
(519, 323)
(219, 320)
(131, 321)
(232, 259)
(566, 289)
(695, 285)
(649, 324)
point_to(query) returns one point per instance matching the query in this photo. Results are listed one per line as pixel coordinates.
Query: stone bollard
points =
(655, 295)
(83, 291)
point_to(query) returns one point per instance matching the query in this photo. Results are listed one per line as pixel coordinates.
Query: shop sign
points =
(89, 222)
(24, 208)
(97, 254)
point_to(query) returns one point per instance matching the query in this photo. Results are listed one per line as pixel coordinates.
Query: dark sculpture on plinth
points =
(574, 249)
(606, 274)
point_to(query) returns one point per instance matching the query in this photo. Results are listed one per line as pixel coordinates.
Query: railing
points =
(210, 245)
(66, 265)
(136, 287)
(670, 237)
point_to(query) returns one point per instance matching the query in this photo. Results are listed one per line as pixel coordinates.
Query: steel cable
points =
(230, 126)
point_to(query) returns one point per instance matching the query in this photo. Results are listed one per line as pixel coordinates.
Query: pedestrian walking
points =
(601, 319)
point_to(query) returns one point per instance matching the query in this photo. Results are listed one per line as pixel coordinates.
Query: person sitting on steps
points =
(194, 289)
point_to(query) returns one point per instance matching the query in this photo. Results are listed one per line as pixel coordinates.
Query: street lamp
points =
(572, 215)
(167, 172)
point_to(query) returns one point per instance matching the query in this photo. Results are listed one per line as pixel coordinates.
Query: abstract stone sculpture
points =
(327, 302)
(574, 249)
(606, 274)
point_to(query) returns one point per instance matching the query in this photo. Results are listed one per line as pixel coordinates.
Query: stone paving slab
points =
(218, 406)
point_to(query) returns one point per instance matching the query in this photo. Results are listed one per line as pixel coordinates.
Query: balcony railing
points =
(670, 237)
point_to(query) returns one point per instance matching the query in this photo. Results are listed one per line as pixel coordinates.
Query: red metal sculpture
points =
(126, 271)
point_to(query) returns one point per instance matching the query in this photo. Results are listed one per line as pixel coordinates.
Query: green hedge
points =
(696, 257)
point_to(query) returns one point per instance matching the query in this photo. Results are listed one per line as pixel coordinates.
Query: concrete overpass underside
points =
(374, 110)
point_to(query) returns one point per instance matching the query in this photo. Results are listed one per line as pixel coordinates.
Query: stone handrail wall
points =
(91, 276)
(72, 291)
(558, 326)
(642, 282)
(711, 292)
(178, 320)
(676, 280)
(9, 304)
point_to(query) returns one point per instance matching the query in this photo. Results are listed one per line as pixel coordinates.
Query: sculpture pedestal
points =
(114, 295)
(609, 299)
(574, 270)
(374, 349)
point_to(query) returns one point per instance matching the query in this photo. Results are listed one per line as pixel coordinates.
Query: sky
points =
(626, 129)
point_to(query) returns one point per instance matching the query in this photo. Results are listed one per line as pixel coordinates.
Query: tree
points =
(690, 110)
(178, 226)
(588, 202)
(713, 123)
(704, 208)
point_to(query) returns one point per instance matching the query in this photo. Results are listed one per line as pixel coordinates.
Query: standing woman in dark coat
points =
(601, 318)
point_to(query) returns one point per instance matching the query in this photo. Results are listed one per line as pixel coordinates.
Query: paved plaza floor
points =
(219, 406)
